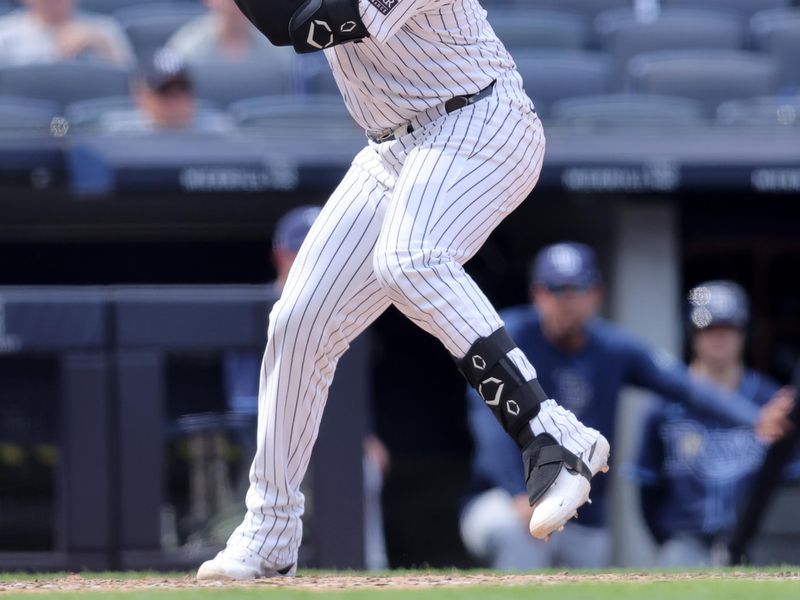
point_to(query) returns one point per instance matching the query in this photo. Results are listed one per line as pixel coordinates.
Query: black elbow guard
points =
(320, 24)
(308, 25)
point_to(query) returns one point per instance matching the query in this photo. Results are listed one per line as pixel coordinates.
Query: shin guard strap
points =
(484, 355)
(543, 457)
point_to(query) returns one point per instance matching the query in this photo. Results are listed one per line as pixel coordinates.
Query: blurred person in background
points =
(48, 31)
(224, 34)
(694, 470)
(585, 361)
(165, 101)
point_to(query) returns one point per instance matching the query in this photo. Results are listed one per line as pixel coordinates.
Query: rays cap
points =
(718, 302)
(566, 265)
(292, 228)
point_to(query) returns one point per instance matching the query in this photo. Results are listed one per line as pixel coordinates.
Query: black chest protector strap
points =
(308, 25)
(513, 400)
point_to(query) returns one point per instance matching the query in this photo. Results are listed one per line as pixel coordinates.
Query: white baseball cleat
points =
(226, 568)
(568, 493)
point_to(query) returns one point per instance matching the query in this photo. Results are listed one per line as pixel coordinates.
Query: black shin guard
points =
(513, 400)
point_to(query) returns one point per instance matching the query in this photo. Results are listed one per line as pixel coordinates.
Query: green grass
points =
(702, 588)
(727, 590)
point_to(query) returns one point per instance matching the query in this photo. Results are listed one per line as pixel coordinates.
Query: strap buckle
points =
(391, 134)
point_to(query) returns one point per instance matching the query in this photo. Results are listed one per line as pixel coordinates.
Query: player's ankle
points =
(564, 426)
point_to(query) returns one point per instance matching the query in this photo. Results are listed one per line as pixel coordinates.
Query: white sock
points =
(564, 427)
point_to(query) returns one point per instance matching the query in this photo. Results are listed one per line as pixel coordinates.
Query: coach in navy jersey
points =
(585, 361)
(693, 470)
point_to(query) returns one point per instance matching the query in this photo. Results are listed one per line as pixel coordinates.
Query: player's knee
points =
(279, 316)
(395, 269)
(285, 318)
(386, 265)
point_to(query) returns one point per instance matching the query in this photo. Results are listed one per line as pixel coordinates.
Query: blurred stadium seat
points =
(292, 113)
(110, 6)
(322, 118)
(710, 77)
(589, 8)
(149, 26)
(778, 33)
(743, 8)
(225, 82)
(87, 114)
(532, 28)
(623, 35)
(63, 83)
(767, 111)
(25, 115)
(550, 75)
(627, 110)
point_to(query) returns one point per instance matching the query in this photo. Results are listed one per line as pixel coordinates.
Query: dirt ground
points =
(404, 581)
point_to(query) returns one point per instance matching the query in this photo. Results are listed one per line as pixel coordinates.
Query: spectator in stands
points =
(165, 101)
(47, 31)
(224, 34)
(693, 470)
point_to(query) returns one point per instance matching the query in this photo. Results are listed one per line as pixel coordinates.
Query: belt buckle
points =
(385, 137)
(392, 134)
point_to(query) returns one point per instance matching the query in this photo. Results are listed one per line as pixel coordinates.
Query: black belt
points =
(455, 103)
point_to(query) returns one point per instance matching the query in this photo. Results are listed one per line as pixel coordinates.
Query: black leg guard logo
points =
(490, 390)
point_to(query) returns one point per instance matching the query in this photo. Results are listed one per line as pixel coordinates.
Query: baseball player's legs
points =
(398, 228)
(331, 295)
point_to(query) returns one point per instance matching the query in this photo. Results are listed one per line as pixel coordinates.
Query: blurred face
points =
(283, 260)
(565, 312)
(226, 9)
(52, 11)
(719, 345)
(169, 107)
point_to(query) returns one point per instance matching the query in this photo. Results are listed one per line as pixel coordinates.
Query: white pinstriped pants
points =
(397, 230)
